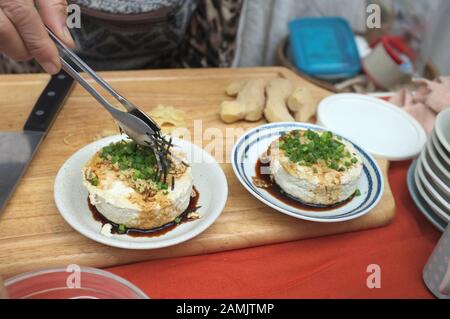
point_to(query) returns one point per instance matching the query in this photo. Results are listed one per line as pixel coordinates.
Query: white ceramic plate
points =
(426, 210)
(381, 128)
(435, 163)
(71, 198)
(433, 193)
(255, 142)
(442, 154)
(437, 209)
(443, 129)
(438, 184)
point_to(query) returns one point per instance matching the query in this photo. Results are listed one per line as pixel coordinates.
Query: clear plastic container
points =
(59, 283)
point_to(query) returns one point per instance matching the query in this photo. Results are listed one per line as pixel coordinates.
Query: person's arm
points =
(22, 32)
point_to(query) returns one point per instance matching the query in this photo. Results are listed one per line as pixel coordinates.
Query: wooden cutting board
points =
(32, 233)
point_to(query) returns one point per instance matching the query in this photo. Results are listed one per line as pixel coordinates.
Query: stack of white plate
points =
(429, 176)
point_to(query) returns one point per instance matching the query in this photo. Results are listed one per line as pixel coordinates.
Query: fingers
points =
(54, 15)
(28, 23)
(11, 43)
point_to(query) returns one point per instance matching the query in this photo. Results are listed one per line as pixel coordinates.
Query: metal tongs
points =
(134, 123)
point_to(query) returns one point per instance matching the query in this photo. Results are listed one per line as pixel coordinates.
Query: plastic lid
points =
(383, 129)
(324, 47)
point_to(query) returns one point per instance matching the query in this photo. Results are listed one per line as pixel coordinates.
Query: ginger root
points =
(278, 91)
(234, 88)
(168, 118)
(249, 103)
(280, 101)
(303, 104)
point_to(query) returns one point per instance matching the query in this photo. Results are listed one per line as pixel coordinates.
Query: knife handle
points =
(49, 103)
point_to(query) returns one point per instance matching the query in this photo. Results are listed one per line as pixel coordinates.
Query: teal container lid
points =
(324, 47)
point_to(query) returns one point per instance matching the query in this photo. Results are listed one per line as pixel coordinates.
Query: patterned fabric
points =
(127, 7)
(212, 37)
(188, 33)
(110, 41)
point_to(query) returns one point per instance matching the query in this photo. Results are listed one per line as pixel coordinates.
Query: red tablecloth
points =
(329, 267)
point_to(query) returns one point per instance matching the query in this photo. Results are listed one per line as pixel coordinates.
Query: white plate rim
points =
(420, 202)
(438, 211)
(428, 170)
(124, 244)
(439, 148)
(430, 151)
(299, 125)
(421, 132)
(439, 128)
(435, 195)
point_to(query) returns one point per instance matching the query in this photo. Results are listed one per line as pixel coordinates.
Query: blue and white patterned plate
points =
(255, 142)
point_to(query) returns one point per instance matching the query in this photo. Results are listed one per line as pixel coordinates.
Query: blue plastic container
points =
(324, 47)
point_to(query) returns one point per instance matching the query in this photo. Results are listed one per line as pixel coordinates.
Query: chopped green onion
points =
(139, 161)
(121, 229)
(94, 181)
(309, 147)
(334, 166)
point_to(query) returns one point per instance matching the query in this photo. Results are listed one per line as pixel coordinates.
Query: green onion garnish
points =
(139, 161)
(308, 148)
(94, 181)
(121, 229)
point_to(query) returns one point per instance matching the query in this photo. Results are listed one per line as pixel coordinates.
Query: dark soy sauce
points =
(154, 232)
(279, 194)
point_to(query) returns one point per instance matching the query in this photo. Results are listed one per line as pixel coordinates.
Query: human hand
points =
(22, 32)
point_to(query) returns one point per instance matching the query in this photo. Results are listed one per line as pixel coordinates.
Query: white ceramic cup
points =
(436, 273)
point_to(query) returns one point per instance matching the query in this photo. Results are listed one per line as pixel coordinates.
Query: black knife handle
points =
(49, 103)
